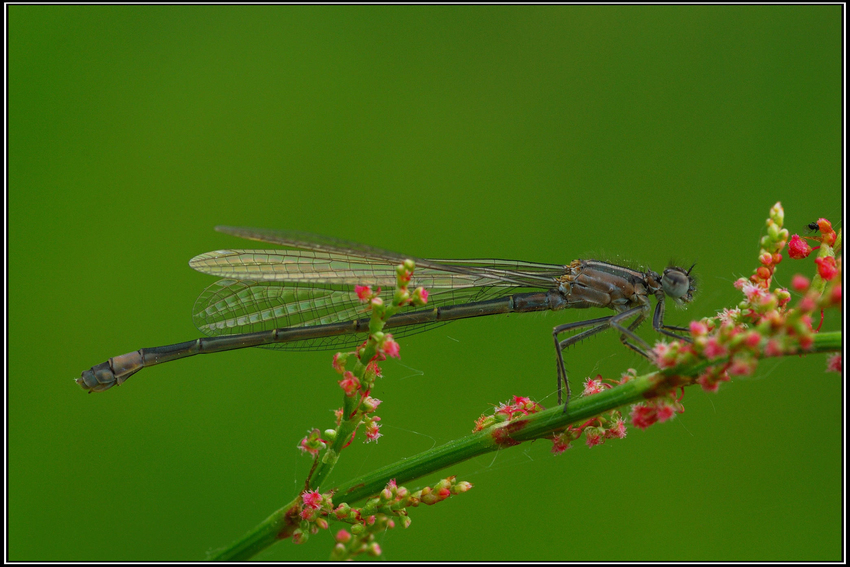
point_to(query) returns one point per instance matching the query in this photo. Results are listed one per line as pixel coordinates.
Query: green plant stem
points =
(540, 425)
(349, 425)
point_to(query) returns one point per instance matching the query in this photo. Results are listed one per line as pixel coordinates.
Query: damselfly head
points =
(679, 284)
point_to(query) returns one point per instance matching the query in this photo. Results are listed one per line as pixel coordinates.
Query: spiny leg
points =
(598, 325)
(626, 334)
(660, 327)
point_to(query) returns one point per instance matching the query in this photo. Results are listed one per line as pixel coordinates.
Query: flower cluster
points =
(772, 243)
(768, 321)
(656, 410)
(765, 323)
(360, 368)
(609, 425)
(379, 345)
(312, 443)
(833, 363)
(505, 412)
(380, 514)
(312, 508)
(799, 248)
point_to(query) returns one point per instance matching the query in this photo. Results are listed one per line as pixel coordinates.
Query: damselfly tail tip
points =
(88, 382)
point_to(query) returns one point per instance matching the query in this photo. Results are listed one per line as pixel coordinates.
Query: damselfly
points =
(303, 298)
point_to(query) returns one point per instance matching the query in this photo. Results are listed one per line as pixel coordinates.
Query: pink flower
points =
(342, 511)
(311, 443)
(372, 432)
(522, 405)
(800, 283)
(665, 355)
(827, 232)
(708, 383)
(807, 304)
(592, 437)
(374, 369)
(698, 328)
(629, 374)
(729, 315)
(593, 386)
(711, 379)
(833, 363)
(826, 267)
(618, 430)
(525, 405)
(560, 444)
(420, 296)
(713, 349)
(753, 292)
(798, 248)
(305, 447)
(742, 366)
(773, 348)
(364, 292)
(753, 339)
(508, 410)
(643, 416)
(664, 412)
(312, 499)
(349, 384)
(482, 422)
(390, 347)
(339, 362)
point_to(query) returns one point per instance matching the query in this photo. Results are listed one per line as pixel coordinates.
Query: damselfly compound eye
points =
(676, 283)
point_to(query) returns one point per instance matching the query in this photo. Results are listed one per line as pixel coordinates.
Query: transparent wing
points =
(312, 283)
(231, 306)
(323, 259)
(518, 266)
(305, 266)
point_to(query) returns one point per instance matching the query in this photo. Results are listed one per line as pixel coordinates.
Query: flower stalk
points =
(766, 323)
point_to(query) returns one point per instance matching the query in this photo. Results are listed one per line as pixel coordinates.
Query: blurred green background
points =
(542, 133)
